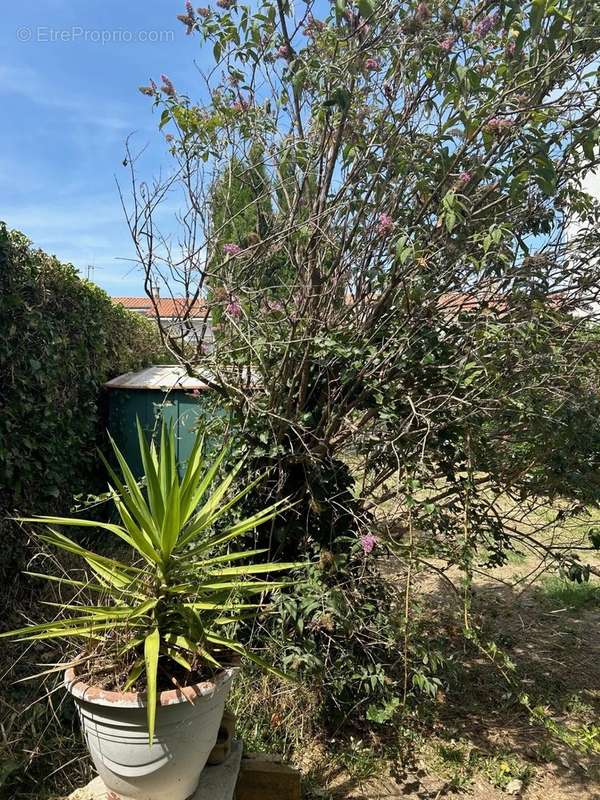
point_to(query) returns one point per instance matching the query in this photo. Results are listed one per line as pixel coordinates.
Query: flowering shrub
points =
(408, 187)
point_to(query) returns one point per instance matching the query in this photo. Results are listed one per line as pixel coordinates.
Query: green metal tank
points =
(154, 394)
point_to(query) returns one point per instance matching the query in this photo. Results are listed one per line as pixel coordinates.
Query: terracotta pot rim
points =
(102, 697)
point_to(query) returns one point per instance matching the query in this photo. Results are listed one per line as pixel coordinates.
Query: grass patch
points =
(276, 716)
(517, 556)
(359, 760)
(501, 770)
(580, 707)
(560, 593)
(455, 761)
(42, 755)
(459, 762)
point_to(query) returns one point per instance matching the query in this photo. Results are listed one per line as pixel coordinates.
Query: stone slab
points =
(264, 778)
(216, 783)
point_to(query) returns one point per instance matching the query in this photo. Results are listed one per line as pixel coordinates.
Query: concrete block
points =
(216, 783)
(262, 778)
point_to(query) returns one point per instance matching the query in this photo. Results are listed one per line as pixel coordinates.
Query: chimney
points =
(156, 293)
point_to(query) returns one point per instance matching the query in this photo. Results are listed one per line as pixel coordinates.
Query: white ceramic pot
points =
(116, 732)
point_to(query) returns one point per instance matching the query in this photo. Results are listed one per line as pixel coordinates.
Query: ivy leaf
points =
(536, 15)
(366, 7)
(588, 145)
(383, 714)
(342, 98)
(594, 536)
(403, 251)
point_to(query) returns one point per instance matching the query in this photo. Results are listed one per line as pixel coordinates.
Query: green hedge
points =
(61, 339)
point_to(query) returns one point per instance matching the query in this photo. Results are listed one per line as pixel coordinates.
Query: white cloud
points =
(78, 229)
(591, 184)
(69, 215)
(30, 84)
(85, 229)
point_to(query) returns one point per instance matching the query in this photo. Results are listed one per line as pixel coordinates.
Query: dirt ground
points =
(484, 745)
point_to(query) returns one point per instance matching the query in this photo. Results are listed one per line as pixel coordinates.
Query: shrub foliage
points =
(62, 338)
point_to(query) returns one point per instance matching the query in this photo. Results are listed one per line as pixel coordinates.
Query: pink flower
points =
(372, 64)
(385, 224)
(485, 25)
(388, 90)
(167, 87)
(188, 21)
(511, 48)
(225, 3)
(423, 12)
(362, 28)
(189, 18)
(284, 52)
(368, 542)
(232, 249)
(447, 44)
(148, 90)
(169, 137)
(499, 125)
(233, 308)
(241, 105)
(274, 305)
(313, 25)
(465, 177)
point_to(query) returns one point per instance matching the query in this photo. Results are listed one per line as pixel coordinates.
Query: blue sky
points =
(68, 103)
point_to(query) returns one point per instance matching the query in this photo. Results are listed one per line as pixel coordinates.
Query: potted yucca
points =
(157, 655)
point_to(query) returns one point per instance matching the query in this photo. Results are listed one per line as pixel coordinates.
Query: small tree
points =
(423, 352)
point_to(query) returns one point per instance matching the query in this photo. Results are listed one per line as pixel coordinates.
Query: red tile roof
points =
(464, 301)
(168, 307)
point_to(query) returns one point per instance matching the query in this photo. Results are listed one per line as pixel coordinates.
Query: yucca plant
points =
(170, 605)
